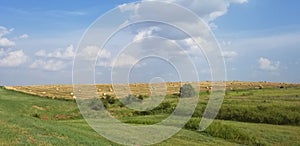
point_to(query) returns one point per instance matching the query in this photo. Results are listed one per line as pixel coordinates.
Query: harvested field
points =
(67, 92)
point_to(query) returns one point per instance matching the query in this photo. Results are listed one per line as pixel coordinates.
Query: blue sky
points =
(38, 39)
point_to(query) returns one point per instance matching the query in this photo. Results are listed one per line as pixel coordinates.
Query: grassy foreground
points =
(247, 117)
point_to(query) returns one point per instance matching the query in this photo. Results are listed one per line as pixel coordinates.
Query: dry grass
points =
(66, 91)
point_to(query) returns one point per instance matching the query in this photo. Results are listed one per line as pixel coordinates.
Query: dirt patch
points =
(38, 107)
(31, 139)
(60, 117)
(46, 118)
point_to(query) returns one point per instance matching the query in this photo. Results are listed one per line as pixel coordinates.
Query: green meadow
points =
(268, 116)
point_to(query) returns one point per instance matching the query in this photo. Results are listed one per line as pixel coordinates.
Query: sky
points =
(259, 40)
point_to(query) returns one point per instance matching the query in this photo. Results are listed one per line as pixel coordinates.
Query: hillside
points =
(267, 116)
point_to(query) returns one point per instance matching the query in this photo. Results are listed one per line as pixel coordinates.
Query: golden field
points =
(66, 91)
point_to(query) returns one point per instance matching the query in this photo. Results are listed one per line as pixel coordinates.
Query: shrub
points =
(36, 115)
(164, 107)
(187, 90)
(130, 99)
(192, 124)
(142, 97)
(95, 104)
(110, 99)
(232, 133)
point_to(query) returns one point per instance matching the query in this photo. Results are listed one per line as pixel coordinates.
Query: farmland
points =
(66, 91)
(253, 113)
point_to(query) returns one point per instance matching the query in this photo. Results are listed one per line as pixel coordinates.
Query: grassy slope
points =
(59, 123)
(19, 124)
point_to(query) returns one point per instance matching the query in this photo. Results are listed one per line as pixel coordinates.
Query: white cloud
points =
(53, 61)
(68, 53)
(145, 33)
(128, 7)
(238, 1)
(4, 31)
(268, 65)
(12, 58)
(63, 13)
(91, 52)
(49, 65)
(24, 36)
(2, 52)
(88, 53)
(104, 54)
(5, 42)
(229, 54)
(208, 10)
(192, 48)
(104, 58)
(124, 60)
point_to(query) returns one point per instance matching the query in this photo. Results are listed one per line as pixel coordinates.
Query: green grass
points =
(270, 106)
(20, 126)
(34, 120)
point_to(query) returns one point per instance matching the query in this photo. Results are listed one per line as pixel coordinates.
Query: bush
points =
(95, 104)
(110, 99)
(164, 107)
(130, 99)
(225, 131)
(187, 90)
(270, 114)
(231, 133)
(142, 97)
(36, 115)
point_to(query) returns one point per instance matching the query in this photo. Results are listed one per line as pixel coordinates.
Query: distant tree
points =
(187, 90)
